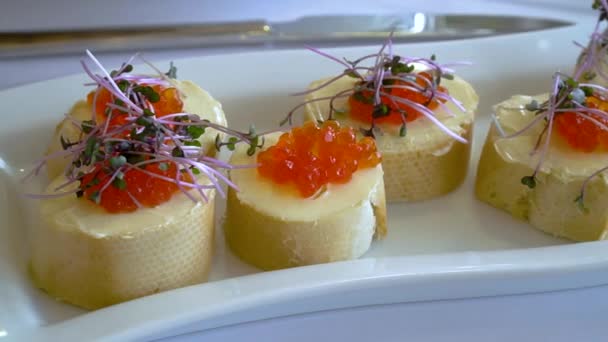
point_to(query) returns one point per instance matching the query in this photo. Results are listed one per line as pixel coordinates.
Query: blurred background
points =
(25, 15)
(30, 17)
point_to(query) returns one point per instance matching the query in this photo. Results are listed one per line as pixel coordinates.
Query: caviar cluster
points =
(310, 156)
(362, 108)
(137, 185)
(115, 183)
(581, 133)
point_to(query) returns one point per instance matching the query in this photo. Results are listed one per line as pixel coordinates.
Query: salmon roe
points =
(148, 190)
(362, 111)
(581, 133)
(169, 103)
(310, 156)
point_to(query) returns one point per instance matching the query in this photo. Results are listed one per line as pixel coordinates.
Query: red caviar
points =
(581, 133)
(310, 156)
(148, 190)
(168, 103)
(362, 111)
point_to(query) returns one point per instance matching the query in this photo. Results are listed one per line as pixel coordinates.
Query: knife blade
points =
(317, 30)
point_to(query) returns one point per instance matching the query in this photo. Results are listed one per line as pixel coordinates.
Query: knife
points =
(315, 30)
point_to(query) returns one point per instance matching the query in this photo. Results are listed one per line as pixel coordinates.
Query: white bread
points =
(84, 256)
(90, 258)
(426, 163)
(195, 100)
(271, 227)
(550, 206)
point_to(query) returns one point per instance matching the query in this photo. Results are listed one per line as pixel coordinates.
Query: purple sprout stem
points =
(324, 54)
(429, 115)
(586, 182)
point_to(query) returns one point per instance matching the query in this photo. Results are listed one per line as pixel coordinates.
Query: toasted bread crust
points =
(550, 206)
(92, 272)
(272, 243)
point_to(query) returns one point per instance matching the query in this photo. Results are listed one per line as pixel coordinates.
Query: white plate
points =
(451, 247)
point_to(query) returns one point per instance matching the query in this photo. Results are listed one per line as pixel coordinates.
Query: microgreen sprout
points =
(593, 56)
(107, 149)
(376, 81)
(569, 95)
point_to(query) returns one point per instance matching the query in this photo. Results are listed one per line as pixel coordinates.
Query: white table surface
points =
(577, 315)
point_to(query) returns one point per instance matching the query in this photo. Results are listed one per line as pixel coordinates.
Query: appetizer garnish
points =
(394, 90)
(555, 146)
(317, 196)
(592, 64)
(139, 146)
(130, 208)
(417, 110)
(311, 157)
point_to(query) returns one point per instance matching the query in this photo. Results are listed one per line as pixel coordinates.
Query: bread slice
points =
(272, 227)
(195, 99)
(84, 256)
(426, 163)
(90, 258)
(550, 206)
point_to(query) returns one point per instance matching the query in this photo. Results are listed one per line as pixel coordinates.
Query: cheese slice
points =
(90, 258)
(271, 227)
(426, 162)
(195, 100)
(550, 206)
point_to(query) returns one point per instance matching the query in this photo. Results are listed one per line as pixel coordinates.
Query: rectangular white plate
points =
(450, 247)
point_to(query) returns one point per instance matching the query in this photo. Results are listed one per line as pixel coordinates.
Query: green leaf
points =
(448, 76)
(65, 144)
(148, 92)
(433, 57)
(193, 143)
(172, 73)
(380, 110)
(351, 73)
(87, 126)
(580, 203)
(529, 181)
(163, 166)
(252, 131)
(571, 83)
(589, 75)
(143, 121)
(118, 162)
(401, 68)
(218, 142)
(195, 170)
(177, 152)
(135, 158)
(587, 90)
(90, 147)
(532, 106)
(127, 68)
(403, 130)
(362, 98)
(148, 112)
(251, 150)
(195, 131)
(119, 183)
(123, 85)
(95, 197)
